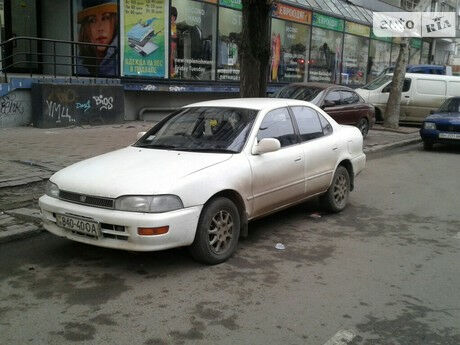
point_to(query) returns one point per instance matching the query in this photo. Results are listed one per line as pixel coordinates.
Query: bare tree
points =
(255, 48)
(393, 108)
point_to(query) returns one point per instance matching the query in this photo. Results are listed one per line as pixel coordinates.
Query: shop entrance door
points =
(21, 20)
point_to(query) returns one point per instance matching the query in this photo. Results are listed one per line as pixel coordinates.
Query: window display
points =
(425, 53)
(325, 56)
(415, 46)
(355, 60)
(228, 65)
(289, 46)
(193, 40)
(379, 58)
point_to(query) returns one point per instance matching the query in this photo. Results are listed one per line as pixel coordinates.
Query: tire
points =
(217, 234)
(363, 126)
(336, 197)
(427, 145)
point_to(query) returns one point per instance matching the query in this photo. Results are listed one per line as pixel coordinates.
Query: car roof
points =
(323, 86)
(248, 103)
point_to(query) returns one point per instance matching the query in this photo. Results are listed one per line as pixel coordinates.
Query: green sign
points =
(416, 43)
(386, 38)
(327, 22)
(232, 3)
(143, 38)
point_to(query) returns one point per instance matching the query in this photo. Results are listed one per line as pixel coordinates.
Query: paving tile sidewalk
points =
(30, 155)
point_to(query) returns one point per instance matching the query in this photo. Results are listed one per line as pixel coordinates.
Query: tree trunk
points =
(392, 110)
(254, 52)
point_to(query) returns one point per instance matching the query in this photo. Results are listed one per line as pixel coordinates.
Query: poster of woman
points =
(97, 23)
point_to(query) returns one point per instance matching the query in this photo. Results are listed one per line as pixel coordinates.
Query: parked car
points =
(197, 177)
(443, 126)
(343, 104)
(421, 93)
(424, 69)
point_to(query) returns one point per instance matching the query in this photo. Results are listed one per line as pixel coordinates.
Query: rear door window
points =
(349, 97)
(334, 97)
(308, 122)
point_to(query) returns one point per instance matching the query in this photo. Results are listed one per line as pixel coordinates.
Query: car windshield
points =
(376, 83)
(450, 105)
(201, 129)
(304, 93)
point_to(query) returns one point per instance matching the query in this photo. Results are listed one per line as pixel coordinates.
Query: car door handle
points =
(298, 159)
(335, 148)
(406, 96)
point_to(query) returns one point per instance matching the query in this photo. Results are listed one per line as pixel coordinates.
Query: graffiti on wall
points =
(67, 105)
(13, 111)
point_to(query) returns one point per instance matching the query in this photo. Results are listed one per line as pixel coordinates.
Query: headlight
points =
(52, 189)
(429, 125)
(150, 204)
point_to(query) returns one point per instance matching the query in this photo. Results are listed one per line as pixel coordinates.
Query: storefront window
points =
(379, 58)
(228, 65)
(326, 51)
(192, 51)
(415, 46)
(355, 55)
(425, 53)
(289, 44)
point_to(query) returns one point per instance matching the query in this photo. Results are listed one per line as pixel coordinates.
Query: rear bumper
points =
(359, 162)
(182, 225)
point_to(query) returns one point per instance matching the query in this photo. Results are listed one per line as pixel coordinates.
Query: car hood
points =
(133, 170)
(447, 117)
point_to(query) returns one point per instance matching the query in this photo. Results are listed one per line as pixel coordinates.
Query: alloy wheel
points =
(340, 191)
(220, 232)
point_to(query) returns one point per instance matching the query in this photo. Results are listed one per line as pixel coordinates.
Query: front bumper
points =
(433, 135)
(182, 225)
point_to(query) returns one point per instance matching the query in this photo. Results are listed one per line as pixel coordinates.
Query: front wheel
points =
(336, 197)
(427, 145)
(363, 126)
(217, 233)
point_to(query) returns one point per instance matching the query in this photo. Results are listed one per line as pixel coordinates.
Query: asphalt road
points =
(385, 271)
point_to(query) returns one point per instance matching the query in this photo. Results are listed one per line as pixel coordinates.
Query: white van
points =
(421, 93)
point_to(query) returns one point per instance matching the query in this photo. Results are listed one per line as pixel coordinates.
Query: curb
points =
(383, 147)
(19, 234)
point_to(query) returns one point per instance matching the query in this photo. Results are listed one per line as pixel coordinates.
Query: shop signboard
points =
(236, 4)
(291, 13)
(357, 29)
(416, 43)
(327, 22)
(143, 38)
(381, 38)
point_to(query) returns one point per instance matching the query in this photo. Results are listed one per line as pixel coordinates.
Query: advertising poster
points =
(96, 22)
(144, 38)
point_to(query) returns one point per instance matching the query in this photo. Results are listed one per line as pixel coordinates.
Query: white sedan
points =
(197, 178)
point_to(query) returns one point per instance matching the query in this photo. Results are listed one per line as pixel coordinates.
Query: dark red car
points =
(340, 102)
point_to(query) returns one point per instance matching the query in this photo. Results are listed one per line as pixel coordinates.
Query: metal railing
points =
(32, 55)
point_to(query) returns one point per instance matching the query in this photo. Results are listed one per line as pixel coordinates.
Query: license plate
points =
(449, 135)
(79, 225)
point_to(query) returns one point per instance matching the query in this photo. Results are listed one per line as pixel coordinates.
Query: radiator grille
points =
(86, 199)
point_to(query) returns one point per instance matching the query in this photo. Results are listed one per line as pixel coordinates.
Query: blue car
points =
(442, 126)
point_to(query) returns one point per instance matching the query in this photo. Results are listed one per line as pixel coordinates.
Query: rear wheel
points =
(217, 234)
(336, 197)
(363, 126)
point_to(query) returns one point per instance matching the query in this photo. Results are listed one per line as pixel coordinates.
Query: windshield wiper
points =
(158, 146)
(211, 150)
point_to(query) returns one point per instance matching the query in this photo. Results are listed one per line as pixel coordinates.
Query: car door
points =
(319, 148)
(353, 110)
(405, 97)
(336, 111)
(278, 177)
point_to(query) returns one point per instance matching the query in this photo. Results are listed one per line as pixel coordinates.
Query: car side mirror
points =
(266, 145)
(327, 104)
(140, 135)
